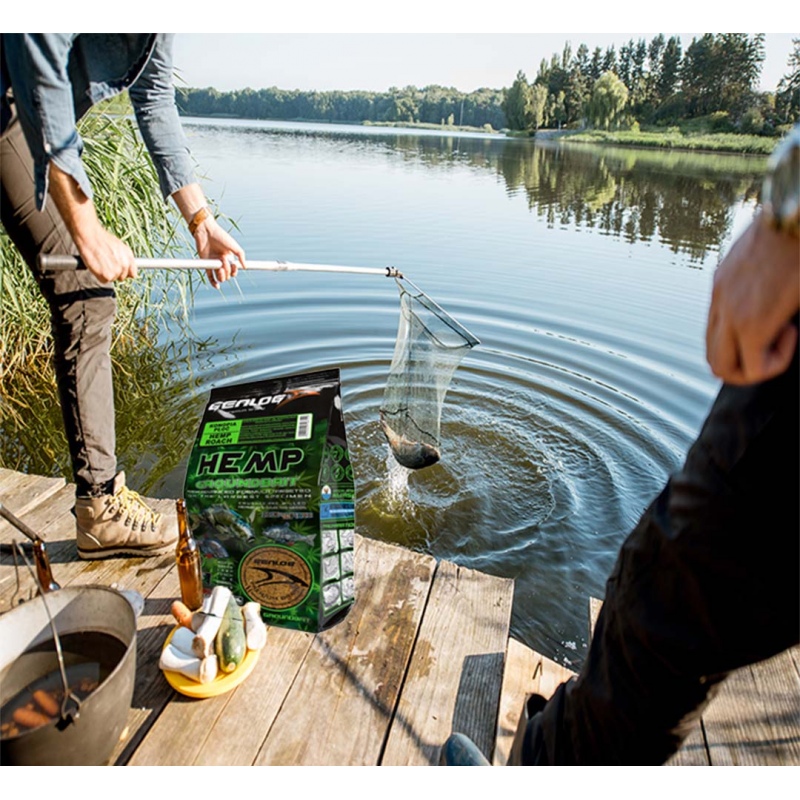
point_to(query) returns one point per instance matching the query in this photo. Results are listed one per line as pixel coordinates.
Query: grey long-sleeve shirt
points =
(56, 77)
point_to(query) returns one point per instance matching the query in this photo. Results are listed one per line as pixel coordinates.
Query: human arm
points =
(153, 99)
(750, 336)
(211, 240)
(37, 68)
(104, 254)
(752, 322)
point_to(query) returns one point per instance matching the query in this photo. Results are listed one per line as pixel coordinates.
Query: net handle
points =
(50, 262)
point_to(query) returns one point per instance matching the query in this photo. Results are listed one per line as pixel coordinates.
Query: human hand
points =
(109, 258)
(214, 242)
(106, 256)
(750, 335)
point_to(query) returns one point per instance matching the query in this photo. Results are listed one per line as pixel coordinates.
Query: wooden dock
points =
(424, 651)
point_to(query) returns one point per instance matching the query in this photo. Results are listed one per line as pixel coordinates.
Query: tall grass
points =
(674, 138)
(129, 203)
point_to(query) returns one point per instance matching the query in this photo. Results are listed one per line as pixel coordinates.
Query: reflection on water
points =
(158, 409)
(681, 199)
(584, 272)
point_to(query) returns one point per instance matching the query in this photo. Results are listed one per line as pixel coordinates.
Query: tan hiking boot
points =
(122, 524)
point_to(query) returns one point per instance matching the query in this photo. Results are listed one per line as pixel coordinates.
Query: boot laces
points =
(136, 511)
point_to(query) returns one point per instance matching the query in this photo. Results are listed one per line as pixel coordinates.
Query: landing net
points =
(429, 347)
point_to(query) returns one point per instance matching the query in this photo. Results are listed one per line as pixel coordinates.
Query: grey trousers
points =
(82, 311)
(707, 582)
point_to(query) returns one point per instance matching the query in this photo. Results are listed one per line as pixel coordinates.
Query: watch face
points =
(782, 185)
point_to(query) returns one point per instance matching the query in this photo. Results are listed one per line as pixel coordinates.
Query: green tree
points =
(581, 62)
(596, 65)
(538, 106)
(638, 84)
(610, 59)
(700, 75)
(667, 81)
(624, 63)
(609, 98)
(720, 72)
(576, 93)
(557, 109)
(787, 97)
(517, 104)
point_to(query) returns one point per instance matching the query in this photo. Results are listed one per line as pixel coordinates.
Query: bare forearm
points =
(102, 252)
(189, 199)
(210, 239)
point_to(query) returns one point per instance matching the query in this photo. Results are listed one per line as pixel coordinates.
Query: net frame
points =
(429, 347)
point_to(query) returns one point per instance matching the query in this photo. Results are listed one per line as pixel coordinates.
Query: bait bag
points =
(271, 498)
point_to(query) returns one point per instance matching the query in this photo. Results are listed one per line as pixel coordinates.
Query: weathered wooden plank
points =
(527, 672)
(56, 525)
(735, 725)
(339, 707)
(694, 750)
(7, 476)
(755, 716)
(240, 729)
(11, 479)
(40, 517)
(455, 676)
(226, 730)
(68, 569)
(779, 685)
(151, 691)
(23, 493)
(594, 612)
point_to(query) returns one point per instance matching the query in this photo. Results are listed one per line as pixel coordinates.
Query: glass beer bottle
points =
(188, 558)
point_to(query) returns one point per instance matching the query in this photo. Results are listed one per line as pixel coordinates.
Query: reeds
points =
(129, 203)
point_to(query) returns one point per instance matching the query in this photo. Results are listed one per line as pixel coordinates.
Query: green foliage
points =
(517, 104)
(718, 122)
(787, 96)
(753, 122)
(720, 72)
(538, 106)
(430, 105)
(609, 98)
(675, 138)
(716, 75)
(129, 203)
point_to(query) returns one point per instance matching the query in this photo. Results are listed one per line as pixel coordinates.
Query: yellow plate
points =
(224, 682)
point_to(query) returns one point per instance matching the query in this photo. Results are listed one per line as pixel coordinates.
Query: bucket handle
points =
(67, 716)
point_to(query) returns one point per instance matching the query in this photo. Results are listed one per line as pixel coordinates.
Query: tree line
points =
(432, 105)
(657, 83)
(650, 83)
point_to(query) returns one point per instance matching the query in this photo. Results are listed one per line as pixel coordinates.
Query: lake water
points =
(585, 274)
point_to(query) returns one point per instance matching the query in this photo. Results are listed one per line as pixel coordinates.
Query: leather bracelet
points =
(200, 216)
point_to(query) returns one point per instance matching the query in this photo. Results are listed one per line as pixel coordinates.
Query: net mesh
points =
(429, 347)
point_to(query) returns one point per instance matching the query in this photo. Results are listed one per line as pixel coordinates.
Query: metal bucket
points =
(89, 734)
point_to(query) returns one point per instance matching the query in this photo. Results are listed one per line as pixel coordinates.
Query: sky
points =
(364, 44)
(378, 61)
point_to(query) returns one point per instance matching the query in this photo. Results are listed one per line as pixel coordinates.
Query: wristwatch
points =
(781, 189)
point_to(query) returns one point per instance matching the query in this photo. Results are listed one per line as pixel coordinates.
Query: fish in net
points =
(429, 347)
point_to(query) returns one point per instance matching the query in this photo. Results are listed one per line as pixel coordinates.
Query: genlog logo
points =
(276, 577)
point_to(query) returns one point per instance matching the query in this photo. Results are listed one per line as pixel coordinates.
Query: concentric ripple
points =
(587, 387)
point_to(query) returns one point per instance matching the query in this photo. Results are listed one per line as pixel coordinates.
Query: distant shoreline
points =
(669, 139)
(672, 139)
(365, 123)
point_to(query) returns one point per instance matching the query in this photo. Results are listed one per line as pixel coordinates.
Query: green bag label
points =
(270, 493)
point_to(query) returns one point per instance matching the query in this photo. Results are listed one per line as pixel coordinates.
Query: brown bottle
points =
(43, 571)
(188, 558)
